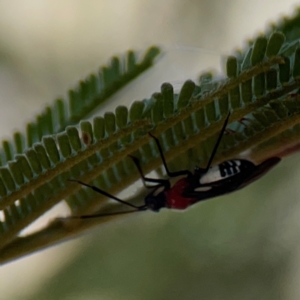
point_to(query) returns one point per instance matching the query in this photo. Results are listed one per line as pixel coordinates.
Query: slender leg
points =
(170, 174)
(217, 144)
(160, 182)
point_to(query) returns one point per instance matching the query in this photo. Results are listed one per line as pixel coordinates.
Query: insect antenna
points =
(105, 214)
(217, 144)
(142, 207)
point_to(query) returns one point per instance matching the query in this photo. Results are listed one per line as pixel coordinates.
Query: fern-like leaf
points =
(260, 89)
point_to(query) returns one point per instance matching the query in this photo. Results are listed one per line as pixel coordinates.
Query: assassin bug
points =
(202, 184)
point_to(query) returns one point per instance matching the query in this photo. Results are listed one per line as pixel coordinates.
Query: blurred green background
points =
(243, 246)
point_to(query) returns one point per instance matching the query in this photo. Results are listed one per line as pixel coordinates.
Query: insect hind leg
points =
(217, 144)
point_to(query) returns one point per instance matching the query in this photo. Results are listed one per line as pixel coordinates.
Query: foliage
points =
(260, 89)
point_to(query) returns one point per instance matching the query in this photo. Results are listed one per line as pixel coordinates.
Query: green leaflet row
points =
(258, 86)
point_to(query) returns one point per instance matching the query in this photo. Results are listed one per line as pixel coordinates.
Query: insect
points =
(202, 184)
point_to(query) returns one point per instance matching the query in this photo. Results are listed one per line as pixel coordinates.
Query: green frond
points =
(260, 90)
(88, 95)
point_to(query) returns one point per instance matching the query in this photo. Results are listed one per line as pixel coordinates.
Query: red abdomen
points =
(174, 198)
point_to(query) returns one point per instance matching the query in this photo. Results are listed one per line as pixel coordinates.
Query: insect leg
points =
(217, 144)
(170, 174)
(161, 182)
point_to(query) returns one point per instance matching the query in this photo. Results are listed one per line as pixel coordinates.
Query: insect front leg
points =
(160, 182)
(170, 174)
